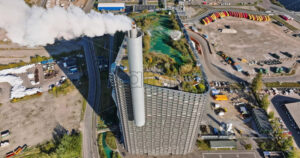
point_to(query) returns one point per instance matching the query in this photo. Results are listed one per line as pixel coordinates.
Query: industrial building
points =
(111, 6)
(262, 121)
(153, 120)
(293, 109)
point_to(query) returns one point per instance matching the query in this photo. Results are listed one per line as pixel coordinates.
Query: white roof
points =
(111, 4)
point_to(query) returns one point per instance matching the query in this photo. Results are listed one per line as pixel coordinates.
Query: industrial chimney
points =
(135, 57)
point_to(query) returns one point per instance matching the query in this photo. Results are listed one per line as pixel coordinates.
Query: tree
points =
(263, 145)
(271, 115)
(265, 102)
(201, 87)
(248, 147)
(257, 83)
(146, 43)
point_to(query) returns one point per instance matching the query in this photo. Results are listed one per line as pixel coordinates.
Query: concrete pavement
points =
(90, 145)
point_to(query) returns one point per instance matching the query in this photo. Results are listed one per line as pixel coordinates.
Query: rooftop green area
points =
(168, 59)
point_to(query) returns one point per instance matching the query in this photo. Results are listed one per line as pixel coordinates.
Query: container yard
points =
(219, 15)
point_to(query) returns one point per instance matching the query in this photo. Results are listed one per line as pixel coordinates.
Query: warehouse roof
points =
(262, 119)
(222, 144)
(294, 110)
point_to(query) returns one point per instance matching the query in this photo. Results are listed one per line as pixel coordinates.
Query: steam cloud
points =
(37, 26)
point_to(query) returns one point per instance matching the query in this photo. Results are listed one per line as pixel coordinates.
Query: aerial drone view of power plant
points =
(149, 78)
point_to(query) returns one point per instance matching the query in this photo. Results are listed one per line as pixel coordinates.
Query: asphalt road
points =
(90, 146)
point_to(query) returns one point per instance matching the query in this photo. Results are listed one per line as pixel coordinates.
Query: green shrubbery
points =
(27, 97)
(100, 145)
(145, 22)
(69, 146)
(111, 140)
(64, 88)
(284, 84)
(33, 59)
(203, 145)
(146, 43)
(181, 45)
(161, 61)
(189, 87)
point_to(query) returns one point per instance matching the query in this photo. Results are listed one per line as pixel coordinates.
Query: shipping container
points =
(220, 97)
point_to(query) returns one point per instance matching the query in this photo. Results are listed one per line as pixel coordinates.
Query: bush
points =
(257, 83)
(146, 43)
(69, 146)
(271, 115)
(248, 147)
(184, 69)
(100, 145)
(111, 140)
(27, 97)
(203, 145)
(265, 102)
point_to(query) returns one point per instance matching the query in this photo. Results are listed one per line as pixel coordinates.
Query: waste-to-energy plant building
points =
(153, 120)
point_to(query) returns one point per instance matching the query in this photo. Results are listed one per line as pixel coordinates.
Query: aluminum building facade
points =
(172, 118)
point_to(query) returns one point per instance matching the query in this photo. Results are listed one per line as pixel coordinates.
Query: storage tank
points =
(135, 57)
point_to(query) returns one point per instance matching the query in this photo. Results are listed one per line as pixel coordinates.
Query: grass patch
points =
(260, 9)
(111, 140)
(100, 123)
(279, 19)
(100, 145)
(69, 146)
(284, 84)
(64, 88)
(33, 60)
(203, 145)
(27, 97)
(83, 108)
(154, 82)
(276, 2)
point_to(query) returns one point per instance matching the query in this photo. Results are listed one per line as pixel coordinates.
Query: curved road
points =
(212, 72)
(90, 145)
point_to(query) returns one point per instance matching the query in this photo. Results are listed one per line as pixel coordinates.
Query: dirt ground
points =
(253, 41)
(65, 3)
(32, 122)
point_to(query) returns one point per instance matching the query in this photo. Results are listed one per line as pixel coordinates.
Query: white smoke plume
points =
(37, 26)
